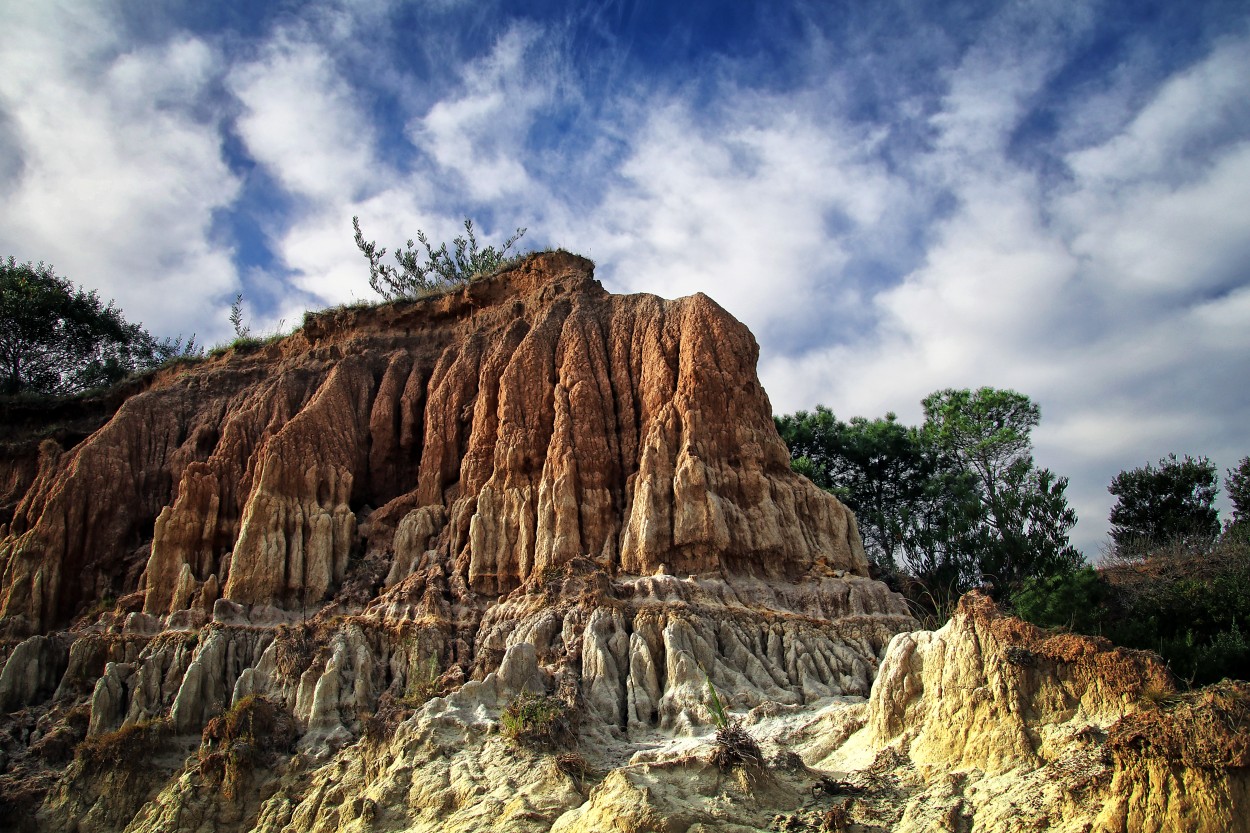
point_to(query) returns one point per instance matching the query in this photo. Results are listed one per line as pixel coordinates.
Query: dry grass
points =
(250, 734)
(1205, 729)
(294, 649)
(1121, 670)
(128, 748)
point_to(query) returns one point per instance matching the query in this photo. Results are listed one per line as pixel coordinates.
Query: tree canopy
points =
(1025, 517)
(1154, 505)
(57, 338)
(953, 502)
(1238, 485)
(915, 509)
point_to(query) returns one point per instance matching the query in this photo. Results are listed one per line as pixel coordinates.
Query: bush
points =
(127, 748)
(248, 735)
(442, 269)
(537, 720)
(1185, 600)
(1077, 601)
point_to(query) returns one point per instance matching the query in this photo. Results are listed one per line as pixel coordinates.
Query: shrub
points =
(380, 726)
(537, 720)
(127, 748)
(249, 734)
(442, 269)
(1185, 600)
(734, 744)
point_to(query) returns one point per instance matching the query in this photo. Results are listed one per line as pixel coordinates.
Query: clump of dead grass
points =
(250, 734)
(127, 748)
(1205, 729)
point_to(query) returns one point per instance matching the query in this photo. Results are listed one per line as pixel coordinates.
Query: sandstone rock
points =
(32, 672)
(396, 520)
(541, 417)
(998, 724)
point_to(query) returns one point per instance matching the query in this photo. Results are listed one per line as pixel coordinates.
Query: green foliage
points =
(241, 330)
(1025, 517)
(951, 503)
(914, 507)
(988, 429)
(58, 339)
(719, 718)
(537, 719)
(442, 269)
(1155, 505)
(1077, 600)
(734, 744)
(1237, 484)
(1185, 600)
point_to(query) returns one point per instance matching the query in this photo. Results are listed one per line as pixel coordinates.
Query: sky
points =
(896, 197)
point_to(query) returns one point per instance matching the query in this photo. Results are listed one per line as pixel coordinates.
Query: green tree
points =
(1238, 486)
(1157, 504)
(1025, 518)
(57, 338)
(915, 510)
(953, 503)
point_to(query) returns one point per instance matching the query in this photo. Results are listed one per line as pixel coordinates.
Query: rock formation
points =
(316, 585)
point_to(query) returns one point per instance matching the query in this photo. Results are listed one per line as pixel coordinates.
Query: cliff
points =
(415, 490)
(479, 562)
(533, 418)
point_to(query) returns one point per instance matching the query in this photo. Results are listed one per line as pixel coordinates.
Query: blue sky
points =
(896, 197)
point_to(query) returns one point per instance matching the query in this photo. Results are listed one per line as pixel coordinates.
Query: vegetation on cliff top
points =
(443, 269)
(57, 338)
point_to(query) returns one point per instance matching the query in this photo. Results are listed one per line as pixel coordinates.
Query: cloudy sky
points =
(896, 197)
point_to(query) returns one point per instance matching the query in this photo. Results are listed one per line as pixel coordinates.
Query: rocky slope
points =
(336, 582)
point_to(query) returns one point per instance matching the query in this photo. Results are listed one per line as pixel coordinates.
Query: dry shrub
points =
(379, 727)
(127, 748)
(735, 747)
(1093, 659)
(574, 765)
(250, 734)
(294, 649)
(1206, 729)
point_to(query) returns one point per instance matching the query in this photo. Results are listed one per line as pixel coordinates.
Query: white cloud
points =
(740, 207)
(479, 133)
(1204, 101)
(303, 121)
(119, 170)
(1119, 303)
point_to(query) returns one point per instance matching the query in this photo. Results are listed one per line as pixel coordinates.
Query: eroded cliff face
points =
(533, 417)
(400, 498)
(993, 724)
(296, 590)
